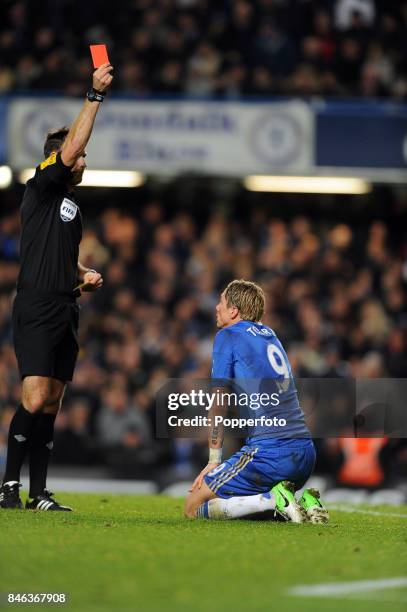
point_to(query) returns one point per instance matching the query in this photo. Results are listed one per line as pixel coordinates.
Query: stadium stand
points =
(209, 47)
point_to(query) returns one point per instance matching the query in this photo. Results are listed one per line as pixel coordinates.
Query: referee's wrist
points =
(95, 95)
(87, 272)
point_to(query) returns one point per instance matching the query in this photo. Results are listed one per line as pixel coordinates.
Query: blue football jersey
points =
(251, 357)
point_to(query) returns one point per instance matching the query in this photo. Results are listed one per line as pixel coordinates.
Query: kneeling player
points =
(267, 471)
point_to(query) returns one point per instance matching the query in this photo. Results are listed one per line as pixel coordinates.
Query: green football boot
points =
(311, 504)
(286, 504)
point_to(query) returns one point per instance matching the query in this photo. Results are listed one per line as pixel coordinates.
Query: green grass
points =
(138, 553)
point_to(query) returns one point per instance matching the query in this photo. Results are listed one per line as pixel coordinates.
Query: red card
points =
(99, 55)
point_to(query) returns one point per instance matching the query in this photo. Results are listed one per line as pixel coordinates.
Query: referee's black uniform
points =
(45, 314)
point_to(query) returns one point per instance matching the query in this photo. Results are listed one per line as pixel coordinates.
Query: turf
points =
(138, 553)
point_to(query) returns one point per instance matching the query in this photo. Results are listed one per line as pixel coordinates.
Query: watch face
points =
(92, 96)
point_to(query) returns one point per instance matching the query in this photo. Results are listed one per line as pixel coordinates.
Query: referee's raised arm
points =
(81, 129)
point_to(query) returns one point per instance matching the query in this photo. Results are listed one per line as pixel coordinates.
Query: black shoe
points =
(45, 502)
(10, 496)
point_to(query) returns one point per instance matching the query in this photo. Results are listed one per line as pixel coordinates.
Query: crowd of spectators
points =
(208, 47)
(335, 294)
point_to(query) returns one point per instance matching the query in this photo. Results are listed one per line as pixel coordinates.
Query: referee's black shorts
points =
(45, 331)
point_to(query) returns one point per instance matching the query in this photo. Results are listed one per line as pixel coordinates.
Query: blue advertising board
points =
(362, 135)
(177, 135)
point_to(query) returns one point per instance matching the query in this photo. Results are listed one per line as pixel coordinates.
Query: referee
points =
(45, 315)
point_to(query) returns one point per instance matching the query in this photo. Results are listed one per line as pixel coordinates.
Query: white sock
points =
(235, 507)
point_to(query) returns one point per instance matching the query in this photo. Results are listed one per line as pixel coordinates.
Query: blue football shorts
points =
(260, 465)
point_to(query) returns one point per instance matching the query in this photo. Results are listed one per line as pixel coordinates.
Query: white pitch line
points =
(331, 589)
(360, 511)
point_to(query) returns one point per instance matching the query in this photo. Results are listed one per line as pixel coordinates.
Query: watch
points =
(95, 96)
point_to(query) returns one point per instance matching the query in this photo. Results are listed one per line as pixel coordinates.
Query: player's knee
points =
(189, 509)
(189, 513)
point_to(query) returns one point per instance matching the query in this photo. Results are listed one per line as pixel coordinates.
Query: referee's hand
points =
(102, 77)
(93, 281)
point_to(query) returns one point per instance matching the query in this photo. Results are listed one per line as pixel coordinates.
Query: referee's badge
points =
(68, 210)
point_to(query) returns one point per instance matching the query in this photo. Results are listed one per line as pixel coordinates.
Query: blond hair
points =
(248, 298)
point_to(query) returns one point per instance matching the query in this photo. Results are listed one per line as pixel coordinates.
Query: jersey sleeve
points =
(222, 356)
(52, 171)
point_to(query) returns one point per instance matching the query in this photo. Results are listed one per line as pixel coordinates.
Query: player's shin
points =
(236, 507)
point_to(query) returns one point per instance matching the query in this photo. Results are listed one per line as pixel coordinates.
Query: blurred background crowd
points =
(209, 47)
(335, 293)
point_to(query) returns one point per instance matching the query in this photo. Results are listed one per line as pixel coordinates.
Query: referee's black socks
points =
(40, 452)
(19, 437)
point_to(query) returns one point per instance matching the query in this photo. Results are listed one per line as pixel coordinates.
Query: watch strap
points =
(94, 95)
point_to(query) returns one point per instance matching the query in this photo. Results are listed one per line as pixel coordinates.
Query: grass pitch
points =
(138, 553)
